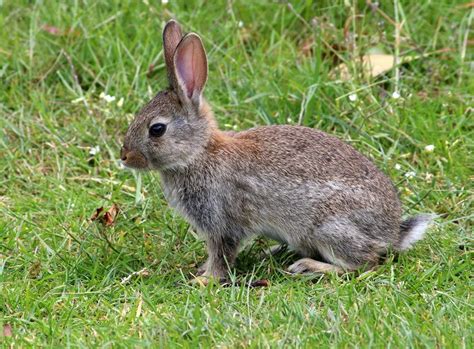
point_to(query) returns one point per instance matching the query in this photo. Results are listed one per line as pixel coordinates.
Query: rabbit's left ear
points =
(172, 35)
(190, 66)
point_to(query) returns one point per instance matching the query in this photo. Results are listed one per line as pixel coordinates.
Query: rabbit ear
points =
(190, 64)
(172, 35)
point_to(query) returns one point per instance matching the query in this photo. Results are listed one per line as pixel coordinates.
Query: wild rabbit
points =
(294, 184)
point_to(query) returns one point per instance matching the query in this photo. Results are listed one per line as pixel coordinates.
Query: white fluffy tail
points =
(413, 229)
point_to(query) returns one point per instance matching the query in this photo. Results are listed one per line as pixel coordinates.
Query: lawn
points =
(73, 74)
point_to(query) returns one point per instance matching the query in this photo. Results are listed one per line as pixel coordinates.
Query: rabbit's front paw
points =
(202, 269)
(200, 281)
(203, 280)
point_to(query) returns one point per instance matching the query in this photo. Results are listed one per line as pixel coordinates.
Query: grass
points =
(68, 282)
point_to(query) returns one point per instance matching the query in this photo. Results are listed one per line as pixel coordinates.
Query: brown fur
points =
(294, 184)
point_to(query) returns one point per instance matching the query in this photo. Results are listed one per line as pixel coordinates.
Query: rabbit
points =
(296, 185)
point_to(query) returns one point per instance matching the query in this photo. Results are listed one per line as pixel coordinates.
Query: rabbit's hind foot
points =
(310, 266)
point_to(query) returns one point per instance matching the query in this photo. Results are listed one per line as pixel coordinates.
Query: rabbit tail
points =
(413, 229)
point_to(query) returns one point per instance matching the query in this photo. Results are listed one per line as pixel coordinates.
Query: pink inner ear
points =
(186, 68)
(191, 65)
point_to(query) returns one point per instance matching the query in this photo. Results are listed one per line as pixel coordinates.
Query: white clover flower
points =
(410, 174)
(398, 167)
(107, 97)
(289, 120)
(240, 24)
(164, 2)
(120, 103)
(396, 95)
(352, 97)
(94, 150)
(429, 148)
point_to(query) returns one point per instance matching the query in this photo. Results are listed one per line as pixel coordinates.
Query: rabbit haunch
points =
(293, 184)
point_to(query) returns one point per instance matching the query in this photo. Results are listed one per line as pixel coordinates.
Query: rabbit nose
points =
(133, 158)
(123, 154)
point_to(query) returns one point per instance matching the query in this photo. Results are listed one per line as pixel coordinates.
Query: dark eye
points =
(157, 130)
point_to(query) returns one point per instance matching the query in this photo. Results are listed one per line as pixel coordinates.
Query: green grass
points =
(61, 274)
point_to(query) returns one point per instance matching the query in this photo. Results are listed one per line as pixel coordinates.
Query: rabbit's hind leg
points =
(342, 247)
(349, 246)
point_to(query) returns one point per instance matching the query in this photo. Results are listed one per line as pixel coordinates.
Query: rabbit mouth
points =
(133, 159)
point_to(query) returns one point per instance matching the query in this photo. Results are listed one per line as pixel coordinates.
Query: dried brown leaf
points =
(97, 213)
(372, 65)
(111, 215)
(108, 218)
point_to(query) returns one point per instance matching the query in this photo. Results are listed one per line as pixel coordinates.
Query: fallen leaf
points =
(7, 330)
(97, 213)
(111, 215)
(372, 65)
(108, 218)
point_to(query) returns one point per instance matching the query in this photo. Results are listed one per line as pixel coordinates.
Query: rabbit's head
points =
(173, 129)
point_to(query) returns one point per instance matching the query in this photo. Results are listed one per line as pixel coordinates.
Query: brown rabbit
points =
(294, 184)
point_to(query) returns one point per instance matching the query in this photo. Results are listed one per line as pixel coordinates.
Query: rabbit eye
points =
(157, 130)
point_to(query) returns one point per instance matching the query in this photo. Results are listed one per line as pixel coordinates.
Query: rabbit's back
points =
(310, 154)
